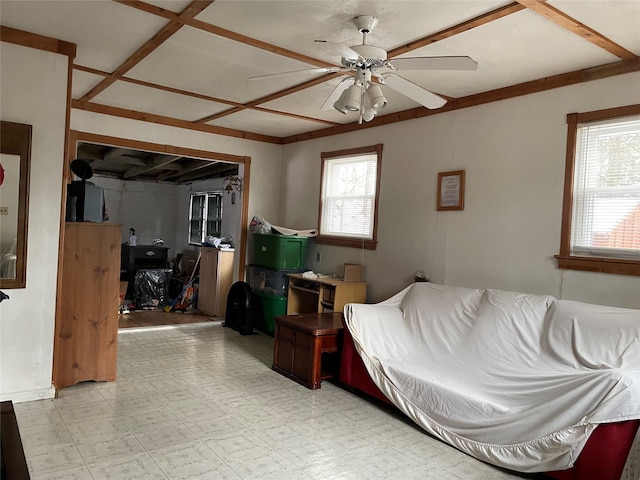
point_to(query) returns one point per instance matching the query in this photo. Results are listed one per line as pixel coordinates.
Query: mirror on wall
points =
(15, 156)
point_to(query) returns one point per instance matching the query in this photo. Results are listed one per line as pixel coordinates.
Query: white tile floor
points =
(200, 401)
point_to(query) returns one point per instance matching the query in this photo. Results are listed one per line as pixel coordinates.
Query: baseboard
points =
(29, 396)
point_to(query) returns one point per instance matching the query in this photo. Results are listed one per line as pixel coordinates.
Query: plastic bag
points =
(259, 225)
(151, 287)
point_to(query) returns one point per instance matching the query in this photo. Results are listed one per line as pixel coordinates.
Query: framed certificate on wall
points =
(450, 190)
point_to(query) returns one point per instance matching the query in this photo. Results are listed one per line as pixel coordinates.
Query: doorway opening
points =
(149, 188)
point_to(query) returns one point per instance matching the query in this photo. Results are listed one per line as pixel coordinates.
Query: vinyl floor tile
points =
(77, 473)
(200, 401)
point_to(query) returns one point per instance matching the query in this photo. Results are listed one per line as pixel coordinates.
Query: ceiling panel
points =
(515, 49)
(106, 33)
(83, 82)
(266, 123)
(618, 20)
(296, 24)
(201, 62)
(144, 99)
(175, 6)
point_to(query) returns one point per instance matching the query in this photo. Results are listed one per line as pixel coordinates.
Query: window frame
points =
(205, 217)
(354, 242)
(566, 260)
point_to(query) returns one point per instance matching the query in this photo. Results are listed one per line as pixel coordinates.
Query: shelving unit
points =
(322, 295)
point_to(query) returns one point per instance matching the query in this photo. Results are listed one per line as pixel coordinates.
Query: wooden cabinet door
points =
(208, 280)
(86, 338)
(216, 277)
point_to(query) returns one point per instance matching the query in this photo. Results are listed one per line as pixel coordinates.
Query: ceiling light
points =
(339, 104)
(376, 98)
(369, 114)
(352, 102)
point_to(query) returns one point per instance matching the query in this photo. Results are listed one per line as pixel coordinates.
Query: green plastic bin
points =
(265, 308)
(282, 252)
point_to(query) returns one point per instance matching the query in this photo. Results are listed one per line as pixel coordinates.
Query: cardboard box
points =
(352, 272)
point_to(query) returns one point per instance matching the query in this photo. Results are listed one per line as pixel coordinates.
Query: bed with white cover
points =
(519, 381)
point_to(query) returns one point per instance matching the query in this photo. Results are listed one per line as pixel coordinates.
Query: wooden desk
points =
(307, 347)
(323, 294)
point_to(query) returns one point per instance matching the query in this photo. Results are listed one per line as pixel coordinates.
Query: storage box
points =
(352, 272)
(265, 308)
(269, 280)
(282, 252)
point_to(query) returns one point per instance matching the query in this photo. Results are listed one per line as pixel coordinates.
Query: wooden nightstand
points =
(307, 347)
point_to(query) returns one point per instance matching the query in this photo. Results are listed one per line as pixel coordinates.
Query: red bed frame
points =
(602, 458)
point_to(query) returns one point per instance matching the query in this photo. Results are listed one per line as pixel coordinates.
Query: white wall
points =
(149, 208)
(34, 91)
(513, 152)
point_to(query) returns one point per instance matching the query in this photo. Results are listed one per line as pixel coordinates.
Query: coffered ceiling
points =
(186, 63)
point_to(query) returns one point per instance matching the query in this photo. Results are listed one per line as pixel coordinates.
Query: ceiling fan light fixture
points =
(352, 101)
(339, 104)
(369, 114)
(376, 98)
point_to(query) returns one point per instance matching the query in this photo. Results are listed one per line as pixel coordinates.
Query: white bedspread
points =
(517, 380)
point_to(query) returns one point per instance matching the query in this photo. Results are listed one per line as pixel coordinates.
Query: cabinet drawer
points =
(286, 333)
(303, 341)
(330, 343)
(137, 253)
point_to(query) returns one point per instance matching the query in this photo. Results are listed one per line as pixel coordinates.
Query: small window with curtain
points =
(349, 197)
(205, 216)
(601, 224)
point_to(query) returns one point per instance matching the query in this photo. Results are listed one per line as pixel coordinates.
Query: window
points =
(601, 216)
(349, 197)
(205, 218)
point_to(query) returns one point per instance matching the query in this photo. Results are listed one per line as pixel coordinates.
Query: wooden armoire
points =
(86, 336)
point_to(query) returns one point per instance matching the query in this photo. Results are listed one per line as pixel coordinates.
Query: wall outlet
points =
(4, 210)
(318, 257)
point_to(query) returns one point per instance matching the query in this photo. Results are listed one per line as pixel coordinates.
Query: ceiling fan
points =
(369, 68)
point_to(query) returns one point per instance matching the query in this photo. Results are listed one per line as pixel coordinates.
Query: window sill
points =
(599, 264)
(346, 242)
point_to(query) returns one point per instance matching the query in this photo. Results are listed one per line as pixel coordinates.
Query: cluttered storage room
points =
(320, 240)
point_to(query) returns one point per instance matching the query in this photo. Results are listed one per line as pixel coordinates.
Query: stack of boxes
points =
(275, 256)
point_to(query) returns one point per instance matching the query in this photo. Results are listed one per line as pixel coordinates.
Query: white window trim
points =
(203, 232)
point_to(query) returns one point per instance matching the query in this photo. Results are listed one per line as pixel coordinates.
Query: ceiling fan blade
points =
(296, 72)
(434, 63)
(335, 95)
(342, 50)
(414, 92)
